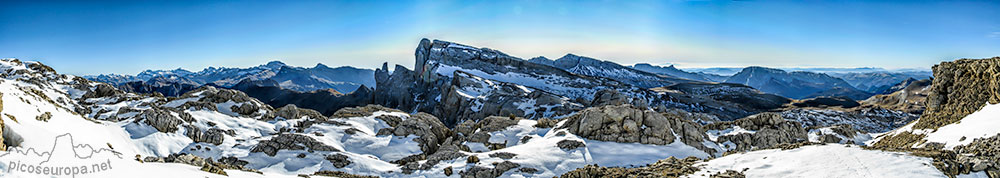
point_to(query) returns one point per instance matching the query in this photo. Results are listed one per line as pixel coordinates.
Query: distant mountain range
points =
(798, 85)
(593, 67)
(174, 82)
(672, 71)
(727, 71)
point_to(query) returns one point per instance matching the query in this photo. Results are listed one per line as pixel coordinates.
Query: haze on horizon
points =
(130, 36)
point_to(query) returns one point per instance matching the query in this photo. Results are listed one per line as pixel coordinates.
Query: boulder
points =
(160, 119)
(630, 124)
(292, 112)
(289, 141)
(771, 130)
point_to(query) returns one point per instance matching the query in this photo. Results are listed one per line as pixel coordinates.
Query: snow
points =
(859, 138)
(831, 160)
(551, 83)
(980, 124)
(735, 130)
(635, 154)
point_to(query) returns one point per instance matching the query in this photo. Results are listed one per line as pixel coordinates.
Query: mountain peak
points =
(571, 56)
(274, 65)
(321, 66)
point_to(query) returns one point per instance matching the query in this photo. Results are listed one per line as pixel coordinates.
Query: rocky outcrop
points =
(770, 130)
(629, 124)
(44, 117)
(289, 141)
(102, 90)
(983, 154)
(960, 88)
(162, 120)
(429, 130)
(470, 97)
(570, 144)
(214, 135)
(867, 119)
(294, 112)
(479, 132)
(338, 160)
(483, 172)
(670, 167)
(400, 90)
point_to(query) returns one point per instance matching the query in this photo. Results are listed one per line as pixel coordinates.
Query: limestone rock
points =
(292, 112)
(771, 130)
(570, 144)
(630, 124)
(960, 88)
(338, 160)
(290, 142)
(670, 167)
(162, 120)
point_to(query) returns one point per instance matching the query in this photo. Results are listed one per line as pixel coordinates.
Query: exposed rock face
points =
(162, 120)
(400, 90)
(670, 167)
(290, 142)
(429, 129)
(472, 97)
(483, 172)
(457, 82)
(867, 119)
(214, 135)
(479, 132)
(570, 144)
(629, 124)
(770, 130)
(959, 89)
(338, 160)
(293, 112)
(361, 111)
(102, 90)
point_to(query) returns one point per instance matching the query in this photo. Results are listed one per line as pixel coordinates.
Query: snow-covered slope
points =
(979, 124)
(211, 130)
(832, 160)
(38, 110)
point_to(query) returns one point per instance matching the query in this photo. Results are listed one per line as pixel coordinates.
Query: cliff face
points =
(959, 89)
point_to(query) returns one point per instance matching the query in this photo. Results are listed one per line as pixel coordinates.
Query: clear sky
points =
(129, 36)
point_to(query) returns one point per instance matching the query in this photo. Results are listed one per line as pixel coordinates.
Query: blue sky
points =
(129, 36)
